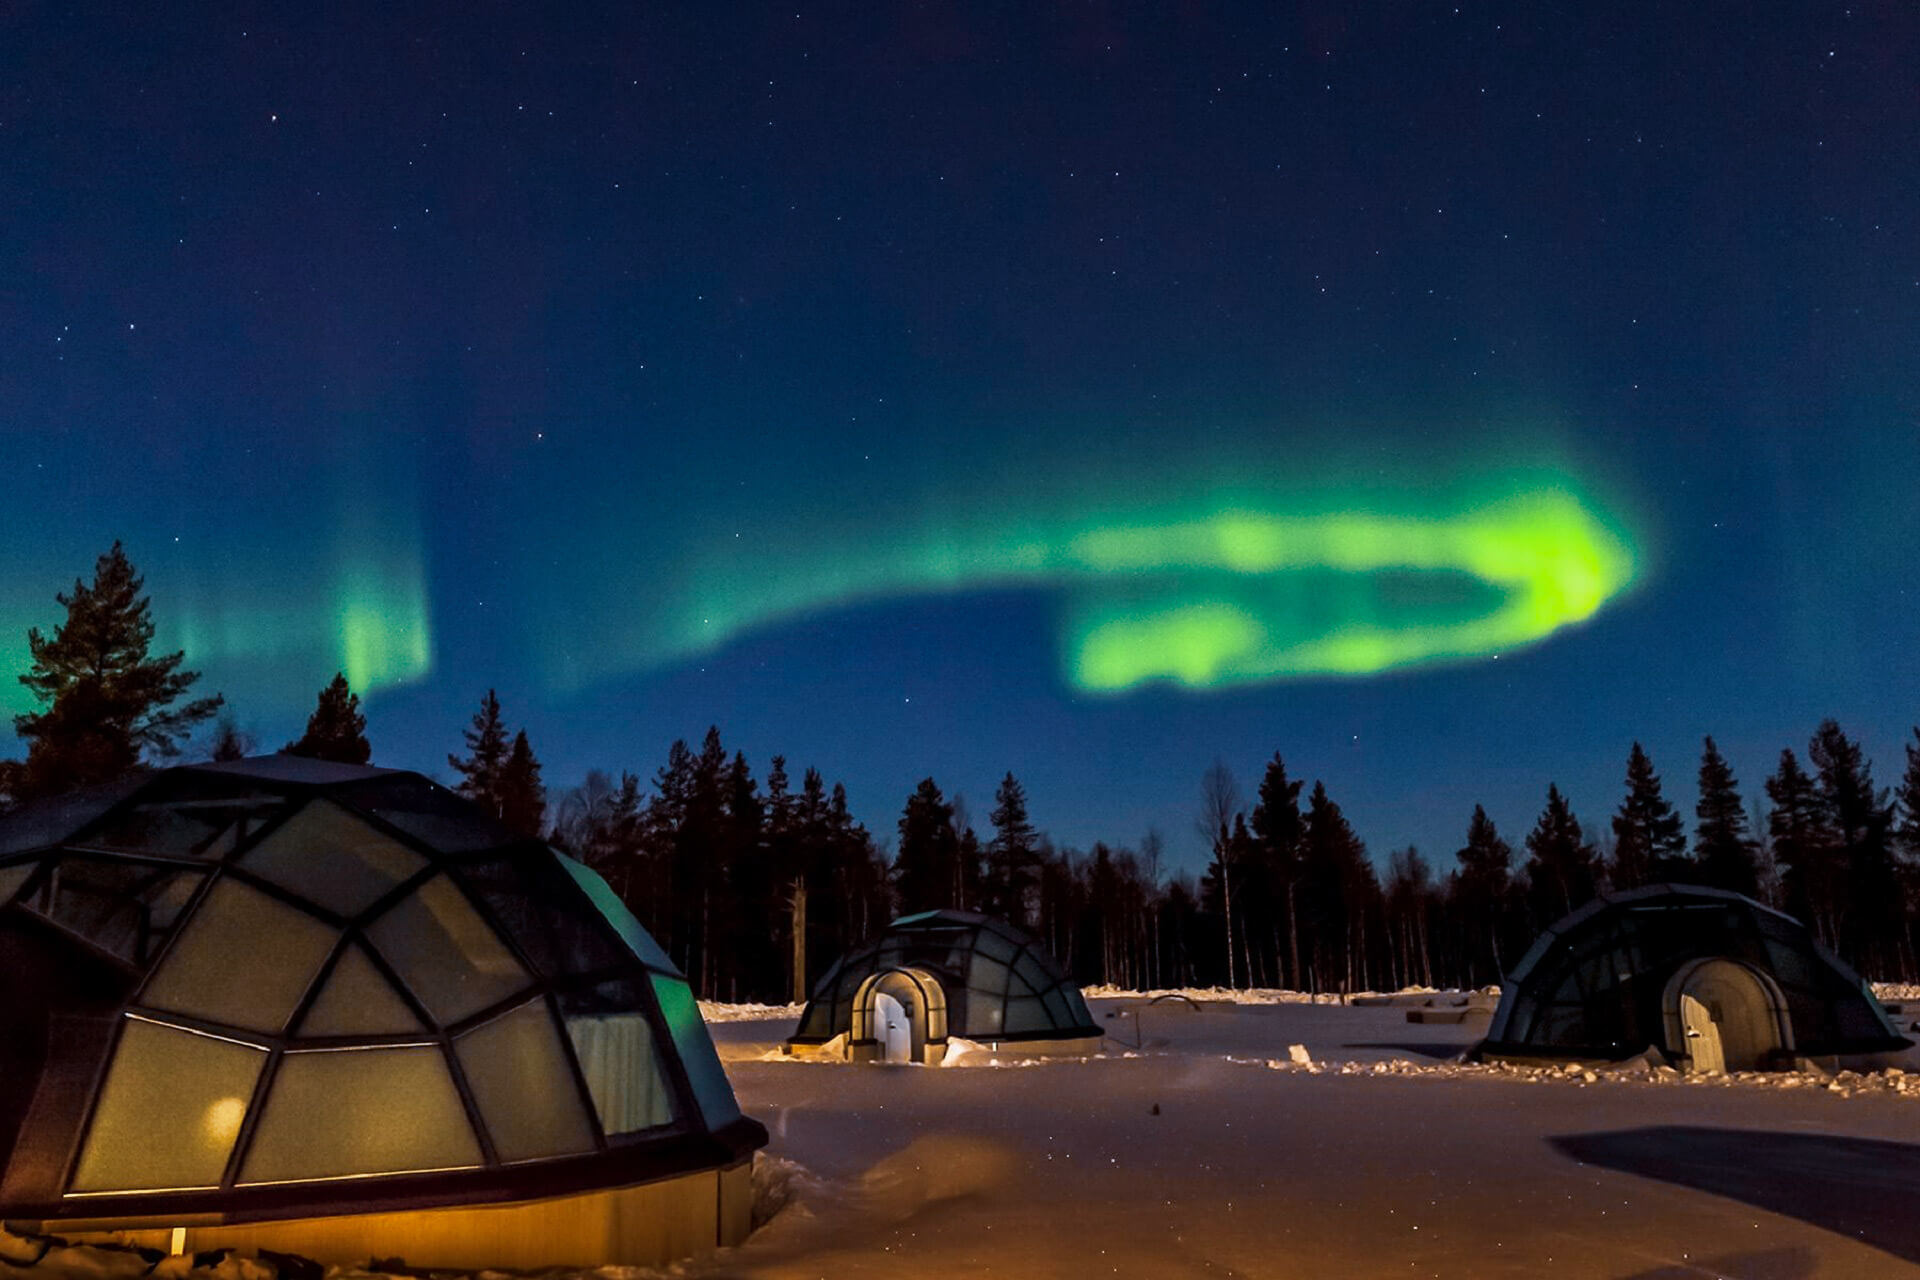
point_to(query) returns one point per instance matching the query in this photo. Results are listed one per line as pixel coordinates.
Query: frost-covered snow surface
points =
(1197, 1146)
(1288, 1139)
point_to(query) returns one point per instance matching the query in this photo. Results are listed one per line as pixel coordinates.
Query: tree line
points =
(754, 885)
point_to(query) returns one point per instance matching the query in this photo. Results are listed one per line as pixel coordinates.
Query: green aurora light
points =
(1227, 593)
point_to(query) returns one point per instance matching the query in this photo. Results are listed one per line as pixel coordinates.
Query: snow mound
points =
(1269, 995)
(717, 1011)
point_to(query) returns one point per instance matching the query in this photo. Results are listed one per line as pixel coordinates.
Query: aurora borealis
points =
(1235, 595)
(1444, 398)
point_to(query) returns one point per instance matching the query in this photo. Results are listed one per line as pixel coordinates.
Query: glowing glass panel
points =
(446, 953)
(243, 959)
(330, 857)
(357, 1001)
(360, 1111)
(519, 1075)
(169, 1111)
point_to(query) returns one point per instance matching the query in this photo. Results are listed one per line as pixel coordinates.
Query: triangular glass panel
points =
(331, 857)
(357, 1001)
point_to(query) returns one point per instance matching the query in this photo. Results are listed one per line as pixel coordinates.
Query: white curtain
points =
(616, 1056)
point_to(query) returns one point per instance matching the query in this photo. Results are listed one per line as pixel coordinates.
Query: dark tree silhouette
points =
(1650, 842)
(1907, 833)
(1219, 807)
(926, 865)
(1860, 816)
(522, 796)
(1013, 857)
(336, 730)
(1482, 890)
(1277, 832)
(486, 757)
(1560, 862)
(230, 742)
(1805, 847)
(1339, 893)
(106, 703)
(1724, 852)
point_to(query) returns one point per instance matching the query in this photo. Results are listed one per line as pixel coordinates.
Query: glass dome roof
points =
(280, 986)
(1592, 985)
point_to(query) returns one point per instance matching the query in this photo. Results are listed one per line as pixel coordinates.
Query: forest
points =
(754, 884)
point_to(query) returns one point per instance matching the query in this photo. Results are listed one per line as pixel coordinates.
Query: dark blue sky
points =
(509, 347)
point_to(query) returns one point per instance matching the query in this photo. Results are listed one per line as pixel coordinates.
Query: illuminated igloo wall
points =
(284, 989)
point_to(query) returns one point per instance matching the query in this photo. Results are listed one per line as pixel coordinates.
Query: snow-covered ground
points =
(1198, 1146)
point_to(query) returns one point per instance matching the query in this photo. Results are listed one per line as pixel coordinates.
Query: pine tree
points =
(522, 796)
(1012, 855)
(1725, 853)
(1907, 834)
(106, 703)
(1805, 848)
(1277, 832)
(1560, 862)
(1481, 892)
(486, 756)
(1338, 892)
(336, 730)
(1649, 840)
(1861, 817)
(926, 863)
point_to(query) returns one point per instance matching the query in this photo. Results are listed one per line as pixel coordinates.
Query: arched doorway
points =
(1726, 1016)
(897, 1014)
(892, 1028)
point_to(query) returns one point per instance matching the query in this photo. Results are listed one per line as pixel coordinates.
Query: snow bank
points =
(717, 1011)
(1269, 995)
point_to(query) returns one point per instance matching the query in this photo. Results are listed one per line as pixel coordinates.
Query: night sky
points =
(1443, 397)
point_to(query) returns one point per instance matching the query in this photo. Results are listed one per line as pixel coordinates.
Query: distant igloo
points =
(902, 995)
(1712, 980)
(338, 1011)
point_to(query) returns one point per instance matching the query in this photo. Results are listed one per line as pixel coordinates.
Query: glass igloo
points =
(1709, 979)
(902, 995)
(338, 1011)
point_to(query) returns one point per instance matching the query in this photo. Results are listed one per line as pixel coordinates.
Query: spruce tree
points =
(1012, 855)
(1805, 848)
(336, 730)
(1649, 839)
(1907, 833)
(1481, 892)
(106, 702)
(1725, 853)
(522, 796)
(1338, 891)
(1560, 862)
(486, 756)
(926, 863)
(1277, 831)
(1861, 817)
